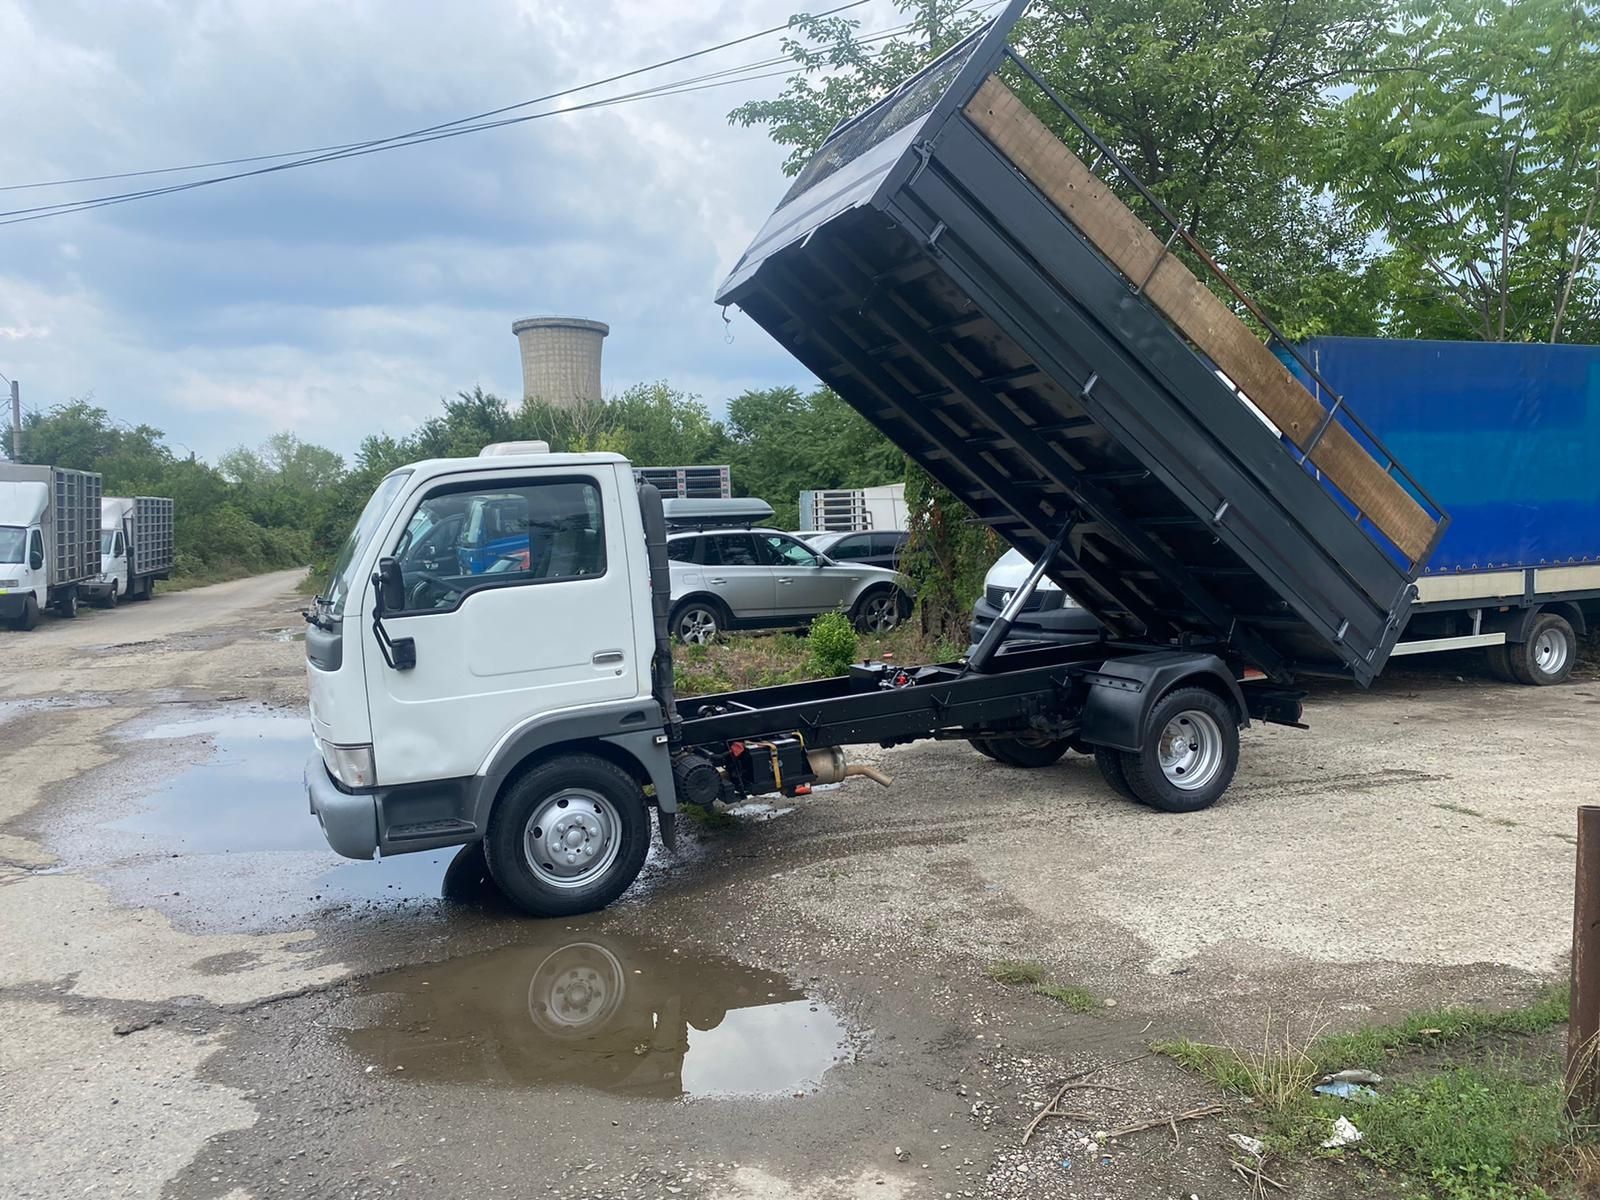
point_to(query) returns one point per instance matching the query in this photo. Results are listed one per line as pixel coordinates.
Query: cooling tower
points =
(560, 358)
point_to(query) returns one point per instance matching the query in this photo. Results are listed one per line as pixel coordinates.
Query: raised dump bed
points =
(989, 302)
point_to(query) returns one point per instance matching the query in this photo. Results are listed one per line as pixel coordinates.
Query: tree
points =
(1473, 149)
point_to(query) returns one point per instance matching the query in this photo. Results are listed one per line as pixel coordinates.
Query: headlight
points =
(9, 583)
(350, 765)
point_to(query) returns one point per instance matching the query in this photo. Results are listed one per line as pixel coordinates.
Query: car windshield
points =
(340, 580)
(12, 543)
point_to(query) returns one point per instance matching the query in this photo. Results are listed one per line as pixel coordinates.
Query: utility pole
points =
(16, 421)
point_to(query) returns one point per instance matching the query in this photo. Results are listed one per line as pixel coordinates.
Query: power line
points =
(493, 112)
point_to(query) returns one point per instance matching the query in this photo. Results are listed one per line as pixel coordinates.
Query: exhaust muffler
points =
(829, 766)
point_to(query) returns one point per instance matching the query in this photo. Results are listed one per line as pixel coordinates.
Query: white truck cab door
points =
(522, 604)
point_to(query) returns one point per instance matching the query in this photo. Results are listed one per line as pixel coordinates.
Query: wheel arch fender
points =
(1124, 690)
(1519, 623)
(709, 599)
(630, 735)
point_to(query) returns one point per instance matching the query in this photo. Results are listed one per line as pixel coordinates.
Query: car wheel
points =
(568, 837)
(111, 597)
(67, 606)
(1548, 655)
(1111, 770)
(698, 623)
(984, 747)
(1190, 752)
(1030, 750)
(878, 612)
(28, 617)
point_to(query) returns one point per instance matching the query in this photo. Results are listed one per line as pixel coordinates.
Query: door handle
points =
(604, 658)
(785, 579)
(717, 582)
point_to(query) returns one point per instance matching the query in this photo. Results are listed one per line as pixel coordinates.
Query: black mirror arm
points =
(399, 654)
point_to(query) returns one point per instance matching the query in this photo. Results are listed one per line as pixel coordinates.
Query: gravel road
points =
(197, 999)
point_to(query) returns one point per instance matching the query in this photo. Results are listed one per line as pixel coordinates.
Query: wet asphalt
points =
(795, 1004)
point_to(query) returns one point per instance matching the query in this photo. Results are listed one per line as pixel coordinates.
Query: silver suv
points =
(760, 578)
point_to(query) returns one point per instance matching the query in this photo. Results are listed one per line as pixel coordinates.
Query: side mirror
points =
(35, 559)
(389, 587)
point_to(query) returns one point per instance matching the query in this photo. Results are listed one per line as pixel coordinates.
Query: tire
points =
(878, 611)
(1191, 751)
(1500, 663)
(698, 622)
(1548, 655)
(145, 589)
(983, 746)
(1030, 751)
(67, 606)
(111, 597)
(597, 811)
(28, 618)
(1113, 772)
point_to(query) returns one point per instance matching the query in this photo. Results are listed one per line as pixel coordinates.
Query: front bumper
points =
(349, 820)
(1057, 626)
(94, 588)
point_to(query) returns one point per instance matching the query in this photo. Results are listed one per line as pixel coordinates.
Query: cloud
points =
(348, 298)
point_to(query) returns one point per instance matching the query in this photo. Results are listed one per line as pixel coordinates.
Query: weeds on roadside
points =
(1033, 976)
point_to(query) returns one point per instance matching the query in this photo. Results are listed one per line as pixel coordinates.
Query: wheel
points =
(1029, 750)
(1547, 656)
(568, 837)
(1112, 771)
(1191, 750)
(145, 589)
(879, 611)
(576, 991)
(983, 746)
(110, 600)
(1500, 663)
(698, 622)
(67, 606)
(28, 617)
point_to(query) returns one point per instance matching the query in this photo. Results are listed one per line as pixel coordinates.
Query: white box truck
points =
(49, 540)
(135, 549)
(854, 510)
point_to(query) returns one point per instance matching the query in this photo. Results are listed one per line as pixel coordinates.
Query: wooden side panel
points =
(1196, 311)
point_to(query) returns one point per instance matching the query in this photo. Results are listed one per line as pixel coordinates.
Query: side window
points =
(888, 543)
(855, 546)
(463, 539)
(682, 550)
(780, 551)
(731, 550)
(36, 551)
(119, 549)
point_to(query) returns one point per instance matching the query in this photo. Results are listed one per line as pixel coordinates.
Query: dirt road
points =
(197, 999)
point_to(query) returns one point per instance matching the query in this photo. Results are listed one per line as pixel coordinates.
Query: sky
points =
(347, 298)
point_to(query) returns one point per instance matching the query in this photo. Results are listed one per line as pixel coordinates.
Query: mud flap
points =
(669, 828)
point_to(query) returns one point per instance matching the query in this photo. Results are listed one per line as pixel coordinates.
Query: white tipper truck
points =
(135, 549)
(49, 540)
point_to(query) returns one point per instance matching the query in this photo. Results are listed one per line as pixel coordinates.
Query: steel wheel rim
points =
(1190, 750)
(1550, 652)
(576, 989)
(697, 626)
(880, 613)
(572, 838)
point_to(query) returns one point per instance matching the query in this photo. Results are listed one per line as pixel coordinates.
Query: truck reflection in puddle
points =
(577, 1009)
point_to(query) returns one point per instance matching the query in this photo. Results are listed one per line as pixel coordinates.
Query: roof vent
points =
(529, 447)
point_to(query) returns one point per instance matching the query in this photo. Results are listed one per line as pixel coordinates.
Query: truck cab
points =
(24, 581)
(482, 612)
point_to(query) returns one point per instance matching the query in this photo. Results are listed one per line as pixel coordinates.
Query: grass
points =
(749, 660)
(1476, 1129)
(1032, 975)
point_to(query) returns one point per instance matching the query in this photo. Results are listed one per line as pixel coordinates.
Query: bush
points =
(832, 643)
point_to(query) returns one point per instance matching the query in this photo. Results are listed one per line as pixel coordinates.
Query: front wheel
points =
(568, 837)
(698, 623)
(111, 597)
(1191, 750)
(28, 617)
(1548, 655)
(879, 612)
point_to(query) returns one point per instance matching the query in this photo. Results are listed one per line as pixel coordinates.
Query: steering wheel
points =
(420, 592)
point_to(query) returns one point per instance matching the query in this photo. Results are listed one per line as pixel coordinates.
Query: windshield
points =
(12, 542)
(339, 581)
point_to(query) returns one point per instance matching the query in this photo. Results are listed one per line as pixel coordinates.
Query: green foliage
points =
(1471, 1133)
(832, 644)
(1032, 975)
(257, 513)
(1015, 972)
(946, 557)
(1472, 147)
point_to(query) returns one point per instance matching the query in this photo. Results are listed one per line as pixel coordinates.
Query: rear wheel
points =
(1029, 750)
(568, 837)
(67, 605)
(1500, 663)
(1191, 751)
(1111, 770)
(142, 590)
(983, 746)
(698, 622)
(1548, 655)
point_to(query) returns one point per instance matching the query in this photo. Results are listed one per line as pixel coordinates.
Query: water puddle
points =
(285, 635)
(581, 1009)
